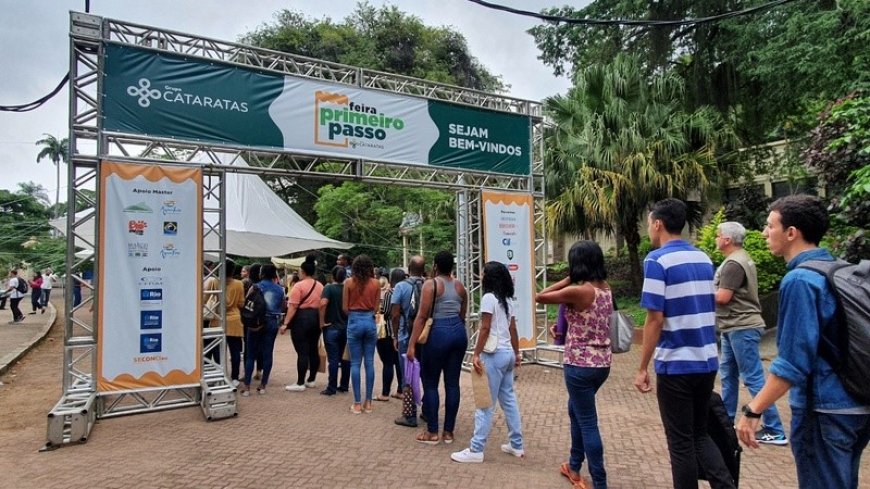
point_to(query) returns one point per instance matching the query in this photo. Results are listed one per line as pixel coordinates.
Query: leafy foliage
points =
(770, 268)
(383, 39)
(623, 140)
(24, 221)
(767, 71)
(839, 153)
(749, 207)
(370, 215)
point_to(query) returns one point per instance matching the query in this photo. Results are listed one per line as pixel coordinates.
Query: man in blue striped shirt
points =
(680, 336)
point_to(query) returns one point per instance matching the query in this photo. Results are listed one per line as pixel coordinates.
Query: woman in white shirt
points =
(497, 351)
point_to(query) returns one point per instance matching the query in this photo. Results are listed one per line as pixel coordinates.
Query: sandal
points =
(355, 408)
(427, 438)
(447, 436)
(367, 407)
(577, 481)
(397, 395)
(382, 398)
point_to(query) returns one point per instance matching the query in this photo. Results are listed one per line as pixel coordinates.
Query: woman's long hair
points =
(497, 280)
(362, 270)
(586, 262)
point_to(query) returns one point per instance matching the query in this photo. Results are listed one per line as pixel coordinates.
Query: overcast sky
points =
(34, 53)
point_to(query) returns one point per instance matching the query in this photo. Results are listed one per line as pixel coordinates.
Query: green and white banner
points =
(163, 95)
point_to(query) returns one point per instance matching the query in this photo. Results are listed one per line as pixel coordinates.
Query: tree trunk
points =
(57, 192)
(632, 242)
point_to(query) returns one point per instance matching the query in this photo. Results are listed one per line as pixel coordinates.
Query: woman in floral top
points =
(589, 304)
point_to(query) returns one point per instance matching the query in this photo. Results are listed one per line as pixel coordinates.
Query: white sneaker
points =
(467, 457)
(516, 452)
(235, 383)
(294, 388)
(310, 385)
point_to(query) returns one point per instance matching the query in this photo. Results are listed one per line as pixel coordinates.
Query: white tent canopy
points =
(258, 222)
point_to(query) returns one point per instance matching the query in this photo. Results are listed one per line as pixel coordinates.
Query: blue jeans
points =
(259, 345)
(500, 373)
(582, 384)
(361, 338)
(740, 359)
(335, 340)
(827, 447)
(444, 352)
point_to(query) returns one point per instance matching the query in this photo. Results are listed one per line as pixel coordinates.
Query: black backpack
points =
(22, 285)
(845, 342)
(254, 311)
(416, 297)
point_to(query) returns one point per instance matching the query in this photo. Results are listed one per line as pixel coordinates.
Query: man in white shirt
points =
(48, 281)
(14, 296)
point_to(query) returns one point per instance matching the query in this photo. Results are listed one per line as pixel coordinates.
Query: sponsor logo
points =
(513, 267)
(150, 319)
(175, 95)
(137, 227)
(151, 297)
(138, 208)
(506, 241)
(510, 254)
(137, 249)
(170, 207)
(341, 122)
(151, 343)
(170, 228)
(150, 281)
(169, 251)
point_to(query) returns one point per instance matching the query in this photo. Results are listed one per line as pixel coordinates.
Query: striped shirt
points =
(678, 281)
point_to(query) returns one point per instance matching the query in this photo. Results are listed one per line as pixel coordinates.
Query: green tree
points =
(24, 219)
(370, 215)
(767, 70)
(56, 150)
(621, 141)
(384, 39)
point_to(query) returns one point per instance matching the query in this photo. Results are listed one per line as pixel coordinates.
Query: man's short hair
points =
(733, 231)
(672, 213)
(417, 266)
(806, 213)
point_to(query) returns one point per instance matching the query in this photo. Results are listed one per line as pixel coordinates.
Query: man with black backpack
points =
(403, 310)
(830, 427)
(15, 289)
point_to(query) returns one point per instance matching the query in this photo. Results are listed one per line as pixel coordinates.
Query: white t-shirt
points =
(48, 281)
(13, 282)
(500, 321)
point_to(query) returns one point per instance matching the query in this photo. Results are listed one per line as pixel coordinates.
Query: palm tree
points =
(35, 190)
(56, 150)
(621, 141)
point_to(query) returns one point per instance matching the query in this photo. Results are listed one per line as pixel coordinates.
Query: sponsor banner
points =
(509, 238)
(150, 279)
(164, 95)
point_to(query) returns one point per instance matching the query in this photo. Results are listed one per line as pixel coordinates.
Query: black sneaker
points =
(403, 421)
(343, 389)
(327, 392)
(770, 437)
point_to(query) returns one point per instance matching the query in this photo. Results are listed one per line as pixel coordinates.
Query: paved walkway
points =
(304, 440)
(17, 339)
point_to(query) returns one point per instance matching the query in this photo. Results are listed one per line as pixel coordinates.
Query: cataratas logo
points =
(176, 95)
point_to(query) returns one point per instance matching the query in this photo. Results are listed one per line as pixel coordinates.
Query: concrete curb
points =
(8, 360)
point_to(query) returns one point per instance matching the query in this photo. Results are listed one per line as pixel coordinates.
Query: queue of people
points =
(688, 302)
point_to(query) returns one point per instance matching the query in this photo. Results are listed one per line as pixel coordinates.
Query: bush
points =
(770, 268)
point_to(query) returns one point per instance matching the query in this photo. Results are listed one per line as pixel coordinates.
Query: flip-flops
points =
(577, 481)
(426, 438)
(356, 409)
(447, 437)
(382, 398)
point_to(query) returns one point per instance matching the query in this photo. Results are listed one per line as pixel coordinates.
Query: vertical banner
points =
(149, 329)
(509, 238)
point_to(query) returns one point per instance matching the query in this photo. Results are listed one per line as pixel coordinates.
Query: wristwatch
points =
(749, 413)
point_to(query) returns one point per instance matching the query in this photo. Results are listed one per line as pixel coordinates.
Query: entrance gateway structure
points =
(148, 104)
